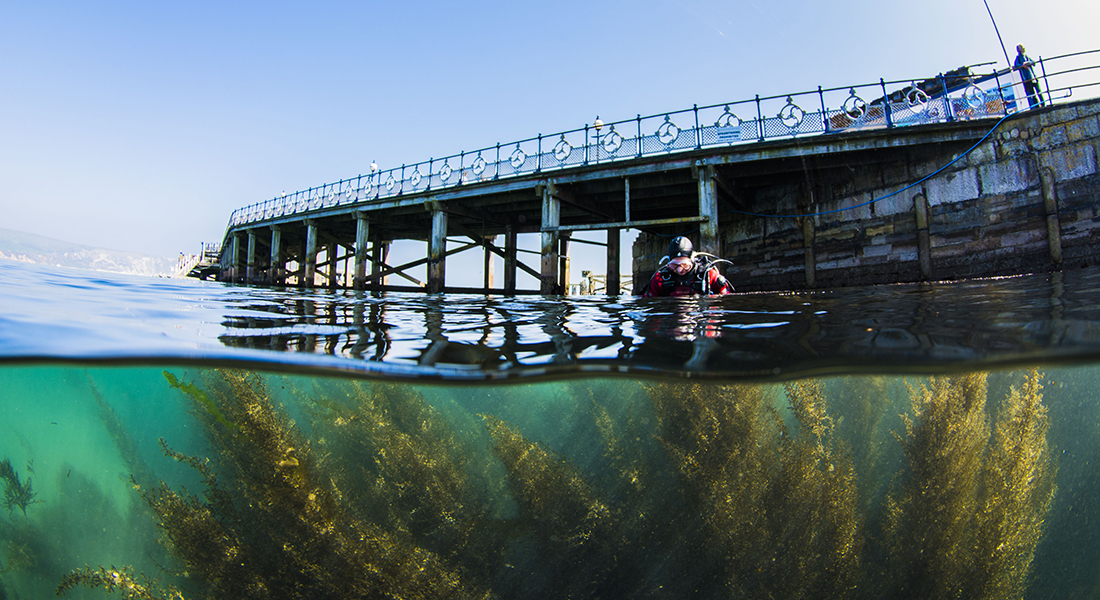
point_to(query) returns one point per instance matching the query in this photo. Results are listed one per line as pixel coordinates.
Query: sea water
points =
(165, 438)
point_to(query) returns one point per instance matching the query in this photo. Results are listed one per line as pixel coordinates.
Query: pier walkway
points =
(701, 169)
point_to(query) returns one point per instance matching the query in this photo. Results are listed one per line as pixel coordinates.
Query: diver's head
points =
(680, 246)
(680, 254)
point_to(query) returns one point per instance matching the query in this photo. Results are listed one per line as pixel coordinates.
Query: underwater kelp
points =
(945, 442)
(123, 581)
(272, 523)
(969, 515)
(17, 494)
(701, 490)
(778, 511)
(1019, 489)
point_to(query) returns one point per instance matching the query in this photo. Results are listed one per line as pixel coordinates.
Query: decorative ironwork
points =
(612, 141)
(390, 183)
(791, 114)
(916, 98)
(416, 178)
(668, 132)
(854, 106)
(518, 157)
(479, 165)
(728, 119)
(562, 149)
(445, 171)
(974, 96)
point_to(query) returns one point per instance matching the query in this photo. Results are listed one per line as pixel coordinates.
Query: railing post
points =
(824, 113)
(430, 162)
(759, 119)
(496, 167)
(698, 134)
(538, 161)
(639, 134)
(401, 184)
(1046, 83)
(461, 167)
(586, 143)
(948, 112)
(886, 103)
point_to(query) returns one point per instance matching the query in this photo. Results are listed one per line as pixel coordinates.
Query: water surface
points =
(908, 441)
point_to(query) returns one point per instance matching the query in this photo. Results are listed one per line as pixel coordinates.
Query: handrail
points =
(957, 95)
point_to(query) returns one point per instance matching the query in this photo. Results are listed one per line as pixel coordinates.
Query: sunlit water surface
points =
(825, 444)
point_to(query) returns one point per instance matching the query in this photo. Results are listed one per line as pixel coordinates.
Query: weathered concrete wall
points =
(1025, 200)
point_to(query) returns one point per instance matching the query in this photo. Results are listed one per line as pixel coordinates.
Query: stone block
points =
(1050, 137)
(1057, 116)
(879, 230)
(1071, 162)
(874, 250)
(1088, 108)
(952, 188)
(895, 203)
(984, 153)
(1083, 129)
(1006, 176)
(1020, 238)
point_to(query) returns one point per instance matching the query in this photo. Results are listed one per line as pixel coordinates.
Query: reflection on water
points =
(887, 327)
(936, 326)
(260, 485)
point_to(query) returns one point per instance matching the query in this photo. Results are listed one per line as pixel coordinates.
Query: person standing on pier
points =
(1031, 86)
(687, 273)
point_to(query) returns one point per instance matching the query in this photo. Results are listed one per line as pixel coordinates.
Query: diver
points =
(688, 273)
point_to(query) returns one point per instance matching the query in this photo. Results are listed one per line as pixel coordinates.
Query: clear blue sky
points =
(142, 125)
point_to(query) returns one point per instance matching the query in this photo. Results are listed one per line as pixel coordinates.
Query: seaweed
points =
(738, 498)
(282, 526)
(970, 514)
(17, 494)
(123, 581)
(1019, 489)
(778, 512)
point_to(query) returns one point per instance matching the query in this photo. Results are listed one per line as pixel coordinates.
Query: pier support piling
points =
(613, 283)
(1054, 224)
(276, 274)
(510, 239)
(708, 207)
(551, 217)
(250, 264)
(361, 236)
(308, 279)
(489, 263)
(437, 249)
(563, 273)
(924, 240)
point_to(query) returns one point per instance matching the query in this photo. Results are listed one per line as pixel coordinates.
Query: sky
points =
(140, 126)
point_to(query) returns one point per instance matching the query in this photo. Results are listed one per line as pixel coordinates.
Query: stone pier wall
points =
(1025, 200)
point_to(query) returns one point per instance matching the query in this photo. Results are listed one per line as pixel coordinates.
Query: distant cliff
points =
(30, 248)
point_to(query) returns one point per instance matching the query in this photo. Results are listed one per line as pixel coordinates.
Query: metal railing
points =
(957, 95)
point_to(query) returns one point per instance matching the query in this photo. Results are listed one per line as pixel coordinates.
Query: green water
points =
(582, 488)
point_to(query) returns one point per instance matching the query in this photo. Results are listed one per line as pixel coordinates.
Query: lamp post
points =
(598, 125)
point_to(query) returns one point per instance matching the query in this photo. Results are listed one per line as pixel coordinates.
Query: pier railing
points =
(957, 95)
